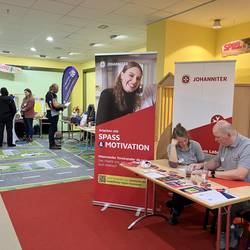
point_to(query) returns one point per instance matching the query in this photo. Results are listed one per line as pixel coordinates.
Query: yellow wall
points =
(243, 60)
(88, 65)
(156, 42)
(91, 88)
(177, 42)
(186, 42)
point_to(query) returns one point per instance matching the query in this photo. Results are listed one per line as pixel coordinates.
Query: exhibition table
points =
(160, 174)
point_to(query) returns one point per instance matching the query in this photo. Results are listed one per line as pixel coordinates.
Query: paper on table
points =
(182, 168)
(154, 175)
(212, 196)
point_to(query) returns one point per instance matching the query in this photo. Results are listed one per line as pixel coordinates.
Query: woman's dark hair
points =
(180, 132)
(53, 86)
(4, 92)
(118, 89)
(29, 91)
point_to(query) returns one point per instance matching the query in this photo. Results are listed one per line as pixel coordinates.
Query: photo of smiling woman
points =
(124, 97)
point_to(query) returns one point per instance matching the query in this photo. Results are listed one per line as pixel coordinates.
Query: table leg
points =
(91, 140)
(218, 229)
(68, 130)
(41, 128)
(228, 222)
(146, 214)
(228, 227)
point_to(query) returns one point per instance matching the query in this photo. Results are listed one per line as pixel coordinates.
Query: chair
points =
(244, 220)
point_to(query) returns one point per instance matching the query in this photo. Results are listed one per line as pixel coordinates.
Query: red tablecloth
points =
(229, 183)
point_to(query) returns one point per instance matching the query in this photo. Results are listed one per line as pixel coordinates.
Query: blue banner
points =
(70, 76)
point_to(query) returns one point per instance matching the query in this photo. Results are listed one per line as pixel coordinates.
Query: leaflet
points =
(214, 196)
(154, 175)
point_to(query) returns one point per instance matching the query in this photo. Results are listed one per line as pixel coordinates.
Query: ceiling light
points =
(33, 49)
(62, 57)
(113, 36)
(50, 39)
(216, 24)
(103, 26)
(5, 51)
(117, 37)
(95, 44)
(73, 53)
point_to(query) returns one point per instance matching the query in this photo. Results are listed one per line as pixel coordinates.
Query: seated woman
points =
(75, 116)
(185, 151)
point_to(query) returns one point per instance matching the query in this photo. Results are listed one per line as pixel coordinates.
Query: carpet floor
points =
(62, 217)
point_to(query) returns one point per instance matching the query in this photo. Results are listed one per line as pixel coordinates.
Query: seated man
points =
(234, 158)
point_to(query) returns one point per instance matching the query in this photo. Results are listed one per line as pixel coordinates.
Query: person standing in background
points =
(28, 113)
(7, 113)
(53, 108)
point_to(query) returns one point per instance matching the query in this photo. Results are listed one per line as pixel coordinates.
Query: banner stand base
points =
(114, 205)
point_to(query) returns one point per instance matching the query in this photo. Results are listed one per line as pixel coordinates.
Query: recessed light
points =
(103, 26)
(96, 44)
(117, 37)
(62, 57)
(50, 39)
(217, 24)
(33, 49)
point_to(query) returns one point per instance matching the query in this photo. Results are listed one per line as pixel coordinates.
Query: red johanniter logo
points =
(185, 79)
(216, 118)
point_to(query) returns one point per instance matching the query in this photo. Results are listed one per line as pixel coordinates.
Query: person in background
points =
(234, 158)
(28, 113)
(90, 114)
(124, 97)
(88, 119)
(53, 108)
(76, 116)
(185, 151)
(7, 113)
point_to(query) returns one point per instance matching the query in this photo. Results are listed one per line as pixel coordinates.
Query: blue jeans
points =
(28, 122)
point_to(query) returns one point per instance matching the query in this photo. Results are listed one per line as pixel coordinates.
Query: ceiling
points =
(74, 23)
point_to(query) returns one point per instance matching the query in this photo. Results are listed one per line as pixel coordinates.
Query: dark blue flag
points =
(70, 76)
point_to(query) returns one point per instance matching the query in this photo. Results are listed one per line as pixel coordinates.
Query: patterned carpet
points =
(33, 164)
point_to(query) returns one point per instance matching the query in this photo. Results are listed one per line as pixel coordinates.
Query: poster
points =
(203, 95)
(125, 123)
